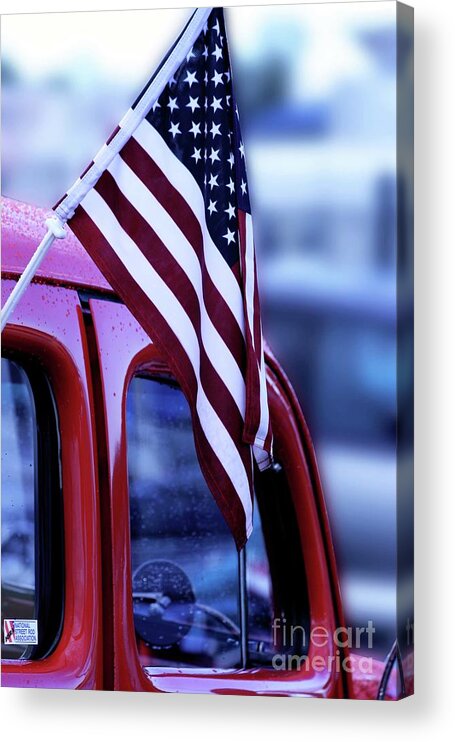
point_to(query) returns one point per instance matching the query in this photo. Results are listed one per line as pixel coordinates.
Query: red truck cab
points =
(110, 538)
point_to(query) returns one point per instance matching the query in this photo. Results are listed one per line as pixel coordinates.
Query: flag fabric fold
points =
(164, 211)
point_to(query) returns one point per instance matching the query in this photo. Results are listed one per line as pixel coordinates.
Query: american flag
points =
(8, 631)
(164, 211)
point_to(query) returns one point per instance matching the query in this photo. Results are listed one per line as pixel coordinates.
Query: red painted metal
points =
(47, 325)
(310, 455)
(90, 368)
(124, 350)
(66, 263)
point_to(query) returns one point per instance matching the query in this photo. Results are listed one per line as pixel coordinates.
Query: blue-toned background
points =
(316, 86)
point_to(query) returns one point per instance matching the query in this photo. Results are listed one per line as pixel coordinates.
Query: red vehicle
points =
(110, 538)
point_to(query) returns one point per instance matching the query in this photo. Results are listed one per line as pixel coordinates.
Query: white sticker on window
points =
(20, 631)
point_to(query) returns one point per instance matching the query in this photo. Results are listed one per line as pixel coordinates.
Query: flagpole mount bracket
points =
(55, 225)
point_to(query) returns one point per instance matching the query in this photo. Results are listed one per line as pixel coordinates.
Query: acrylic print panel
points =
(118, 568)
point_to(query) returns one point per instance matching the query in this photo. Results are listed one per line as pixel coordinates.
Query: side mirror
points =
(163, 603)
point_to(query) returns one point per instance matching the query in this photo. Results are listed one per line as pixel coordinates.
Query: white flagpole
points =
(55, 230)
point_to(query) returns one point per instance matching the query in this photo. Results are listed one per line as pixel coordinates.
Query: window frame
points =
(48, 327)
(125, 350)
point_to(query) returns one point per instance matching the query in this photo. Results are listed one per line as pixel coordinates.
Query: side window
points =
(18, 504)
(184, 562)
(186, 580)
(32, 537)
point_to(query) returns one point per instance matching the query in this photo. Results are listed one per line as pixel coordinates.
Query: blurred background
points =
(316, 87)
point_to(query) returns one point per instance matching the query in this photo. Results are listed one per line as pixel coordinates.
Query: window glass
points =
(18, 505)
(184, 561)
(260, 594)
(186, 580)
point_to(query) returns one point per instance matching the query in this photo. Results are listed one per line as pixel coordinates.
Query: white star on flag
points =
(214, 155)
(174, 130)
(190, 78)
(195, 129)
(229, 236)
(217, 78)
(193, 104)
(216, 104)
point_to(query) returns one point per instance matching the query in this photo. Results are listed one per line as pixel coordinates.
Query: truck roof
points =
(67, 263)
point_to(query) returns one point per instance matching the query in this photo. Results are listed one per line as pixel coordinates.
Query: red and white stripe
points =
(8, 631)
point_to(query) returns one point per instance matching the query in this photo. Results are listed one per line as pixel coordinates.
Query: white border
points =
(56, 714)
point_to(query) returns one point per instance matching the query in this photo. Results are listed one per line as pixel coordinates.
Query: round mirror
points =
(163, 603)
